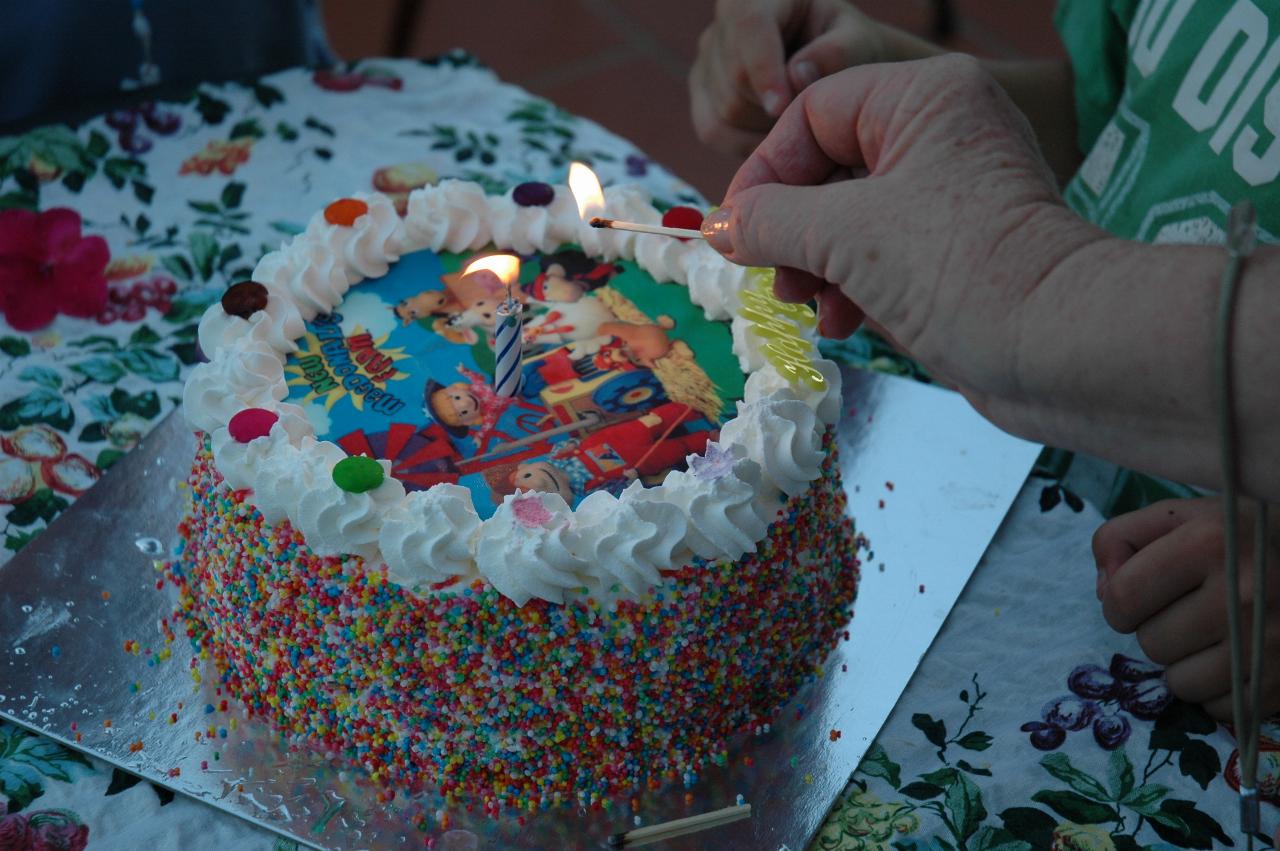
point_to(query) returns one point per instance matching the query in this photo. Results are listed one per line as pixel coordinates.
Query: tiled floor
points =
(624, 63)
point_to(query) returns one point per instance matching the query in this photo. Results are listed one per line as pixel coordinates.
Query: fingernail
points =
(806, 73)
(772, 103)
(715, 228)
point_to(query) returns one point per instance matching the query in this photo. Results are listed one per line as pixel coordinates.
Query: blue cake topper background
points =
(623, 377)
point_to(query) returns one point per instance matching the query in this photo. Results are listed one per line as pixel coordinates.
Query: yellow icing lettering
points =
(784, 346)
(795, 370)
(762, 286)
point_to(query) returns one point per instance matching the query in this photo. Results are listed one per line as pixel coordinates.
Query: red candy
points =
(345, 211)
(682, 217)
(250, 424)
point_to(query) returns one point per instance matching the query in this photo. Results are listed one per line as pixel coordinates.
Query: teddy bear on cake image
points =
(465, 301)
(611, 457)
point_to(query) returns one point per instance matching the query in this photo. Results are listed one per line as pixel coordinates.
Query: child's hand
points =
(1161, 573)
(759, 54)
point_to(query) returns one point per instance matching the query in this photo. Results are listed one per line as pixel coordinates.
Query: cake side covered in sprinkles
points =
(517, 706)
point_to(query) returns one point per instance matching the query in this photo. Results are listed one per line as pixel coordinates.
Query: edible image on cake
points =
(623, 376)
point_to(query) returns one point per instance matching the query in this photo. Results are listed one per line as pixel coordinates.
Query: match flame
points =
(586, 191)
(506, 267)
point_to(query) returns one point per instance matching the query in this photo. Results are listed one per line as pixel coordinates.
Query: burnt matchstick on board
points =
(660, 230)
(679, 827)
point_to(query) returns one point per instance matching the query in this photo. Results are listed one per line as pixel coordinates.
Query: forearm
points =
(1115, 356)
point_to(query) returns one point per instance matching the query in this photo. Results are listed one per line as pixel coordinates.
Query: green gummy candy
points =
(358, 474)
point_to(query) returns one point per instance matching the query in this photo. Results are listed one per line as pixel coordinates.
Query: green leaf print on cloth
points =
(1119, 807)
(27, 761)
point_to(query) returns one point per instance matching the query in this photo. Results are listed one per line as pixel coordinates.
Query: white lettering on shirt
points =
(1153, 28)
(1259, 168)
(1243, 19)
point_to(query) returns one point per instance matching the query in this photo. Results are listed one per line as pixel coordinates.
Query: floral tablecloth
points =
(1029, 725)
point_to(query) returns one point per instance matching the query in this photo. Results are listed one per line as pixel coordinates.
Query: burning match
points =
(590, 199)
(679, 233)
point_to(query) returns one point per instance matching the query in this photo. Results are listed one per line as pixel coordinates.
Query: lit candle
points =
(508, 344)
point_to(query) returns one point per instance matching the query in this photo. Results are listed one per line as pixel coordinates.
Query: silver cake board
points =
(928, 482)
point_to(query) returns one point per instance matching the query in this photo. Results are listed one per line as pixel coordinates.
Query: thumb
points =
(766, 225)
(825, 55)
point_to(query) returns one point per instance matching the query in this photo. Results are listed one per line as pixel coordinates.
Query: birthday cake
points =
(562, 590)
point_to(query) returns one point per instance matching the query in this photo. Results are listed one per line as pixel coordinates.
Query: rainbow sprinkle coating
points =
(504, 706)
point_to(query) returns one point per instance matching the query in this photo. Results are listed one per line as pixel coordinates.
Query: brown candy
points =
(244, 299)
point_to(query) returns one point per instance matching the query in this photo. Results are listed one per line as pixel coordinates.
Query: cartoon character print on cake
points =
(623, 377)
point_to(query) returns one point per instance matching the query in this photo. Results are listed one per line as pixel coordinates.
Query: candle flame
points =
(586, 191)
(506, 267)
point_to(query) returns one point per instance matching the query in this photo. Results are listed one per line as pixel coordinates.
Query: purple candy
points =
(533, 194)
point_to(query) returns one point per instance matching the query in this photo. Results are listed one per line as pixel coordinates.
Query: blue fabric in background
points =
(58, 55)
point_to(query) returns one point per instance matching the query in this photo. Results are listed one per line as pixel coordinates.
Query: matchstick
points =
(679, 827)
(679, 233)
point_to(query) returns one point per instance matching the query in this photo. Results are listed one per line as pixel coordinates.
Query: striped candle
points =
(508, 375)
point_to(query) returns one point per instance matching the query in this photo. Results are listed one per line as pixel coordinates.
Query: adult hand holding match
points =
(957, 243)
(956, 220)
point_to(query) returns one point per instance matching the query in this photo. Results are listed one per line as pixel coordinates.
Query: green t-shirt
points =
(1178, 103)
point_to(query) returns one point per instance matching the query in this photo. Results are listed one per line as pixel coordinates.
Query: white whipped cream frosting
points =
(278, 325)
(625, 544)
(524, 560)
(767, 382)
(722, 514)
(239, 463)
(773, 446)
(780, 435)
(452, 216)
(246, 374)
(336, 522)
(529, 229)
(306, 272)
(370, 245)
(431, 536)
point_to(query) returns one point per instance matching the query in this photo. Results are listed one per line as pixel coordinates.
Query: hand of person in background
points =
(757, 55)
(1161, 574)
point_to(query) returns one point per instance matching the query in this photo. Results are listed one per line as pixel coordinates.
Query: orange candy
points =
(345, 211)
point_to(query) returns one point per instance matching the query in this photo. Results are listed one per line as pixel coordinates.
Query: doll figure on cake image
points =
(473, 409)
(609, 458)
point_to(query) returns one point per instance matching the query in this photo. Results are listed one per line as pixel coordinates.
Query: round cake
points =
(562, 589)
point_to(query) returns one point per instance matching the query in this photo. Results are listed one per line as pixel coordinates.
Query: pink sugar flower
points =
(529, 511)
(47, 268)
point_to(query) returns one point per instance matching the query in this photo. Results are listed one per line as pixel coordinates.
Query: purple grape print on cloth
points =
(1102, 699)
